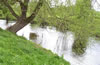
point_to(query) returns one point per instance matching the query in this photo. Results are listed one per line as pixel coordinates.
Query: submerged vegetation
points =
(15, 50)
(79, 18)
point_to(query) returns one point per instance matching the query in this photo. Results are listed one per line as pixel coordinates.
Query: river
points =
(61, 43)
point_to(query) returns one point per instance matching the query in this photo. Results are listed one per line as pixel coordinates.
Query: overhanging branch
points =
(10, 8)
(24, 7)
(36, 10)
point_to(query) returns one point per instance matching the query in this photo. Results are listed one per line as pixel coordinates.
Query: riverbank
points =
(15, 50)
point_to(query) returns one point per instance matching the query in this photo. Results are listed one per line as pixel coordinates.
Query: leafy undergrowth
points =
(15, 50)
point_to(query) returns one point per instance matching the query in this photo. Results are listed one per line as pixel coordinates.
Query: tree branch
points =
(24, 7)
(10, 9)
(36, 10)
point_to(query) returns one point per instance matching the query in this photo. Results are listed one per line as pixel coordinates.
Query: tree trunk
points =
(22, 19)
(7, 19)
(17, 26)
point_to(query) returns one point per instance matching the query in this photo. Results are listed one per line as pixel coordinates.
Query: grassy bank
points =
(15, 50)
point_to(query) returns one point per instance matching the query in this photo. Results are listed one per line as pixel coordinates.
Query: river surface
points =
(61, 43)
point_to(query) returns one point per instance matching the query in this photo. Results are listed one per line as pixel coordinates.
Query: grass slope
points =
(15, 50)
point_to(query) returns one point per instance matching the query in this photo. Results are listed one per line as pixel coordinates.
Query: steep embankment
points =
(15, 50)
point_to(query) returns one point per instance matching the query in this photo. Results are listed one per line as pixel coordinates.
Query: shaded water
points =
(61, 44)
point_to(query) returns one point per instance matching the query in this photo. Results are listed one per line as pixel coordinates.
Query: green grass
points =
(15, 50)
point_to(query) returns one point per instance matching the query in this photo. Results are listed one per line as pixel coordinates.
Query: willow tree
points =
(77, 18)
(84, 20)
(22, 19)
(73, 17)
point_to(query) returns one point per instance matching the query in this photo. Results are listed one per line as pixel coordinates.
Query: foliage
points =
(5, 12)
(79, 18)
